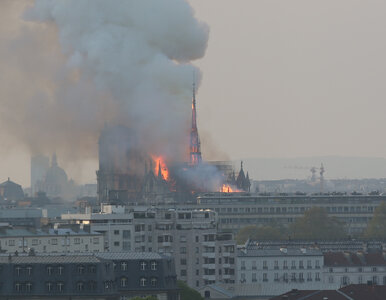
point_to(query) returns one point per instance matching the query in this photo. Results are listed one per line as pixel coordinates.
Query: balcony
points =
(166, 244)
(209, 254)
(209, 266)
(209, 277)
(209, 243)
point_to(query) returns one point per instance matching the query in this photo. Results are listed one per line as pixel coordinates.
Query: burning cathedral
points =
(128, 174)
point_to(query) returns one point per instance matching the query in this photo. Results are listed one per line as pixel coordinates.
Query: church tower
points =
(195, 148)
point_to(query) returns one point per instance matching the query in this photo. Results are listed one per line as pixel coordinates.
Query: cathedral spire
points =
(195, 148)
(159, 170)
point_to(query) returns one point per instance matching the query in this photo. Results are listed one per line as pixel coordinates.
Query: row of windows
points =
(54, 270)
(54, 241)
(296, 209)
(345, 280)
(144, 265)
(346, 270)
(285, 265)
(283, 277)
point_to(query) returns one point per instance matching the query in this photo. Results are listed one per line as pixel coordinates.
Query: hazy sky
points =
(282, 79)
(294, 78)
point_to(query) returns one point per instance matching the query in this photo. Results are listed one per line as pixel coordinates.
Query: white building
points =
(269, 272)
(344, 268)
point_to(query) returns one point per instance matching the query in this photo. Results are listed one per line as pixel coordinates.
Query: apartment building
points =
(344, 268)
(202, 255)
(101, 276)
(53, 240)
(269, 272)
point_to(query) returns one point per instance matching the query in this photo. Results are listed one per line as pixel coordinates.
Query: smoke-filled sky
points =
(279, 78)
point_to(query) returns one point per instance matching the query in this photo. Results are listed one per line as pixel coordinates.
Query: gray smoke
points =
(68, 67)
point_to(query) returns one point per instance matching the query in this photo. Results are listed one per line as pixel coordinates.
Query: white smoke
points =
(82, 63)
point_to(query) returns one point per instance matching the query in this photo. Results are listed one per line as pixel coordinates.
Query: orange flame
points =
(160, 162)
(226, 188)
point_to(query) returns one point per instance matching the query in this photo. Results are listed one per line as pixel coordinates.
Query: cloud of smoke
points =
(68, 67)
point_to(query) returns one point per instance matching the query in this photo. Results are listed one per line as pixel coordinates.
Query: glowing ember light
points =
(160, 162)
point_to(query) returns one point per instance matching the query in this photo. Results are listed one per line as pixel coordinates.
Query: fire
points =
(226, 188)
(159, 161)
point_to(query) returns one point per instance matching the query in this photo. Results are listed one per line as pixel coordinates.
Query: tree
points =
(316, 224)
(259, 233)
(376, 229)
(188, 293)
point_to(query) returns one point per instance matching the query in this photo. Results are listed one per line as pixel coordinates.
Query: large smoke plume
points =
(68, 67)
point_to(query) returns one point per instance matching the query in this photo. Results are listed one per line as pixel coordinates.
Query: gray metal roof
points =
(278, 252)
(49, 259)
(129, 255)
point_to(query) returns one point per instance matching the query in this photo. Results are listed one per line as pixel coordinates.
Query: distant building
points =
(11, 191)
(39, 167)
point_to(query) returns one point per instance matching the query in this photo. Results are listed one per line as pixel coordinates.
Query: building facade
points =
(100, 277)
(202, 254)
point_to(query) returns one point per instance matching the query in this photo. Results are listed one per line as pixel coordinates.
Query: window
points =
(49, 270)
(317, 266)
(243, 265)
(285, 277)
(330, 279)
(123, 266)
(197, 272)
(154, 265)
(265, 267)
(60, 286)
(265, 277)
(309, 276)
(276, 265)
(54, 241)
(254, 278)
(301, 264)
(142, 281)
(285, 265)
(197, 238)
(80, 286)
(29, 270)
(28, 286)
(123, 282)
(242, 277)
(92, 285)
(60, 270)
(49, 286)
(293, 276)
(183, 261)
(116, 244)
(116, 232)
(18, 287)
(345, 280)
(126, 234)
(35, 242)
(309, 264)
(374, 269)
(76, 240)
(254, 265)
(293, 264)
(183, 272)
(317, 277)
(95, 241)
(301, 278)
(360, 280)
(92, 269)
(375, 279)
(18, 271)
(183, 250)
(153, 281)
(11, 242)
(143, 265)
(182, 239)
(80, 269)
(197, 250)
(276, 277)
